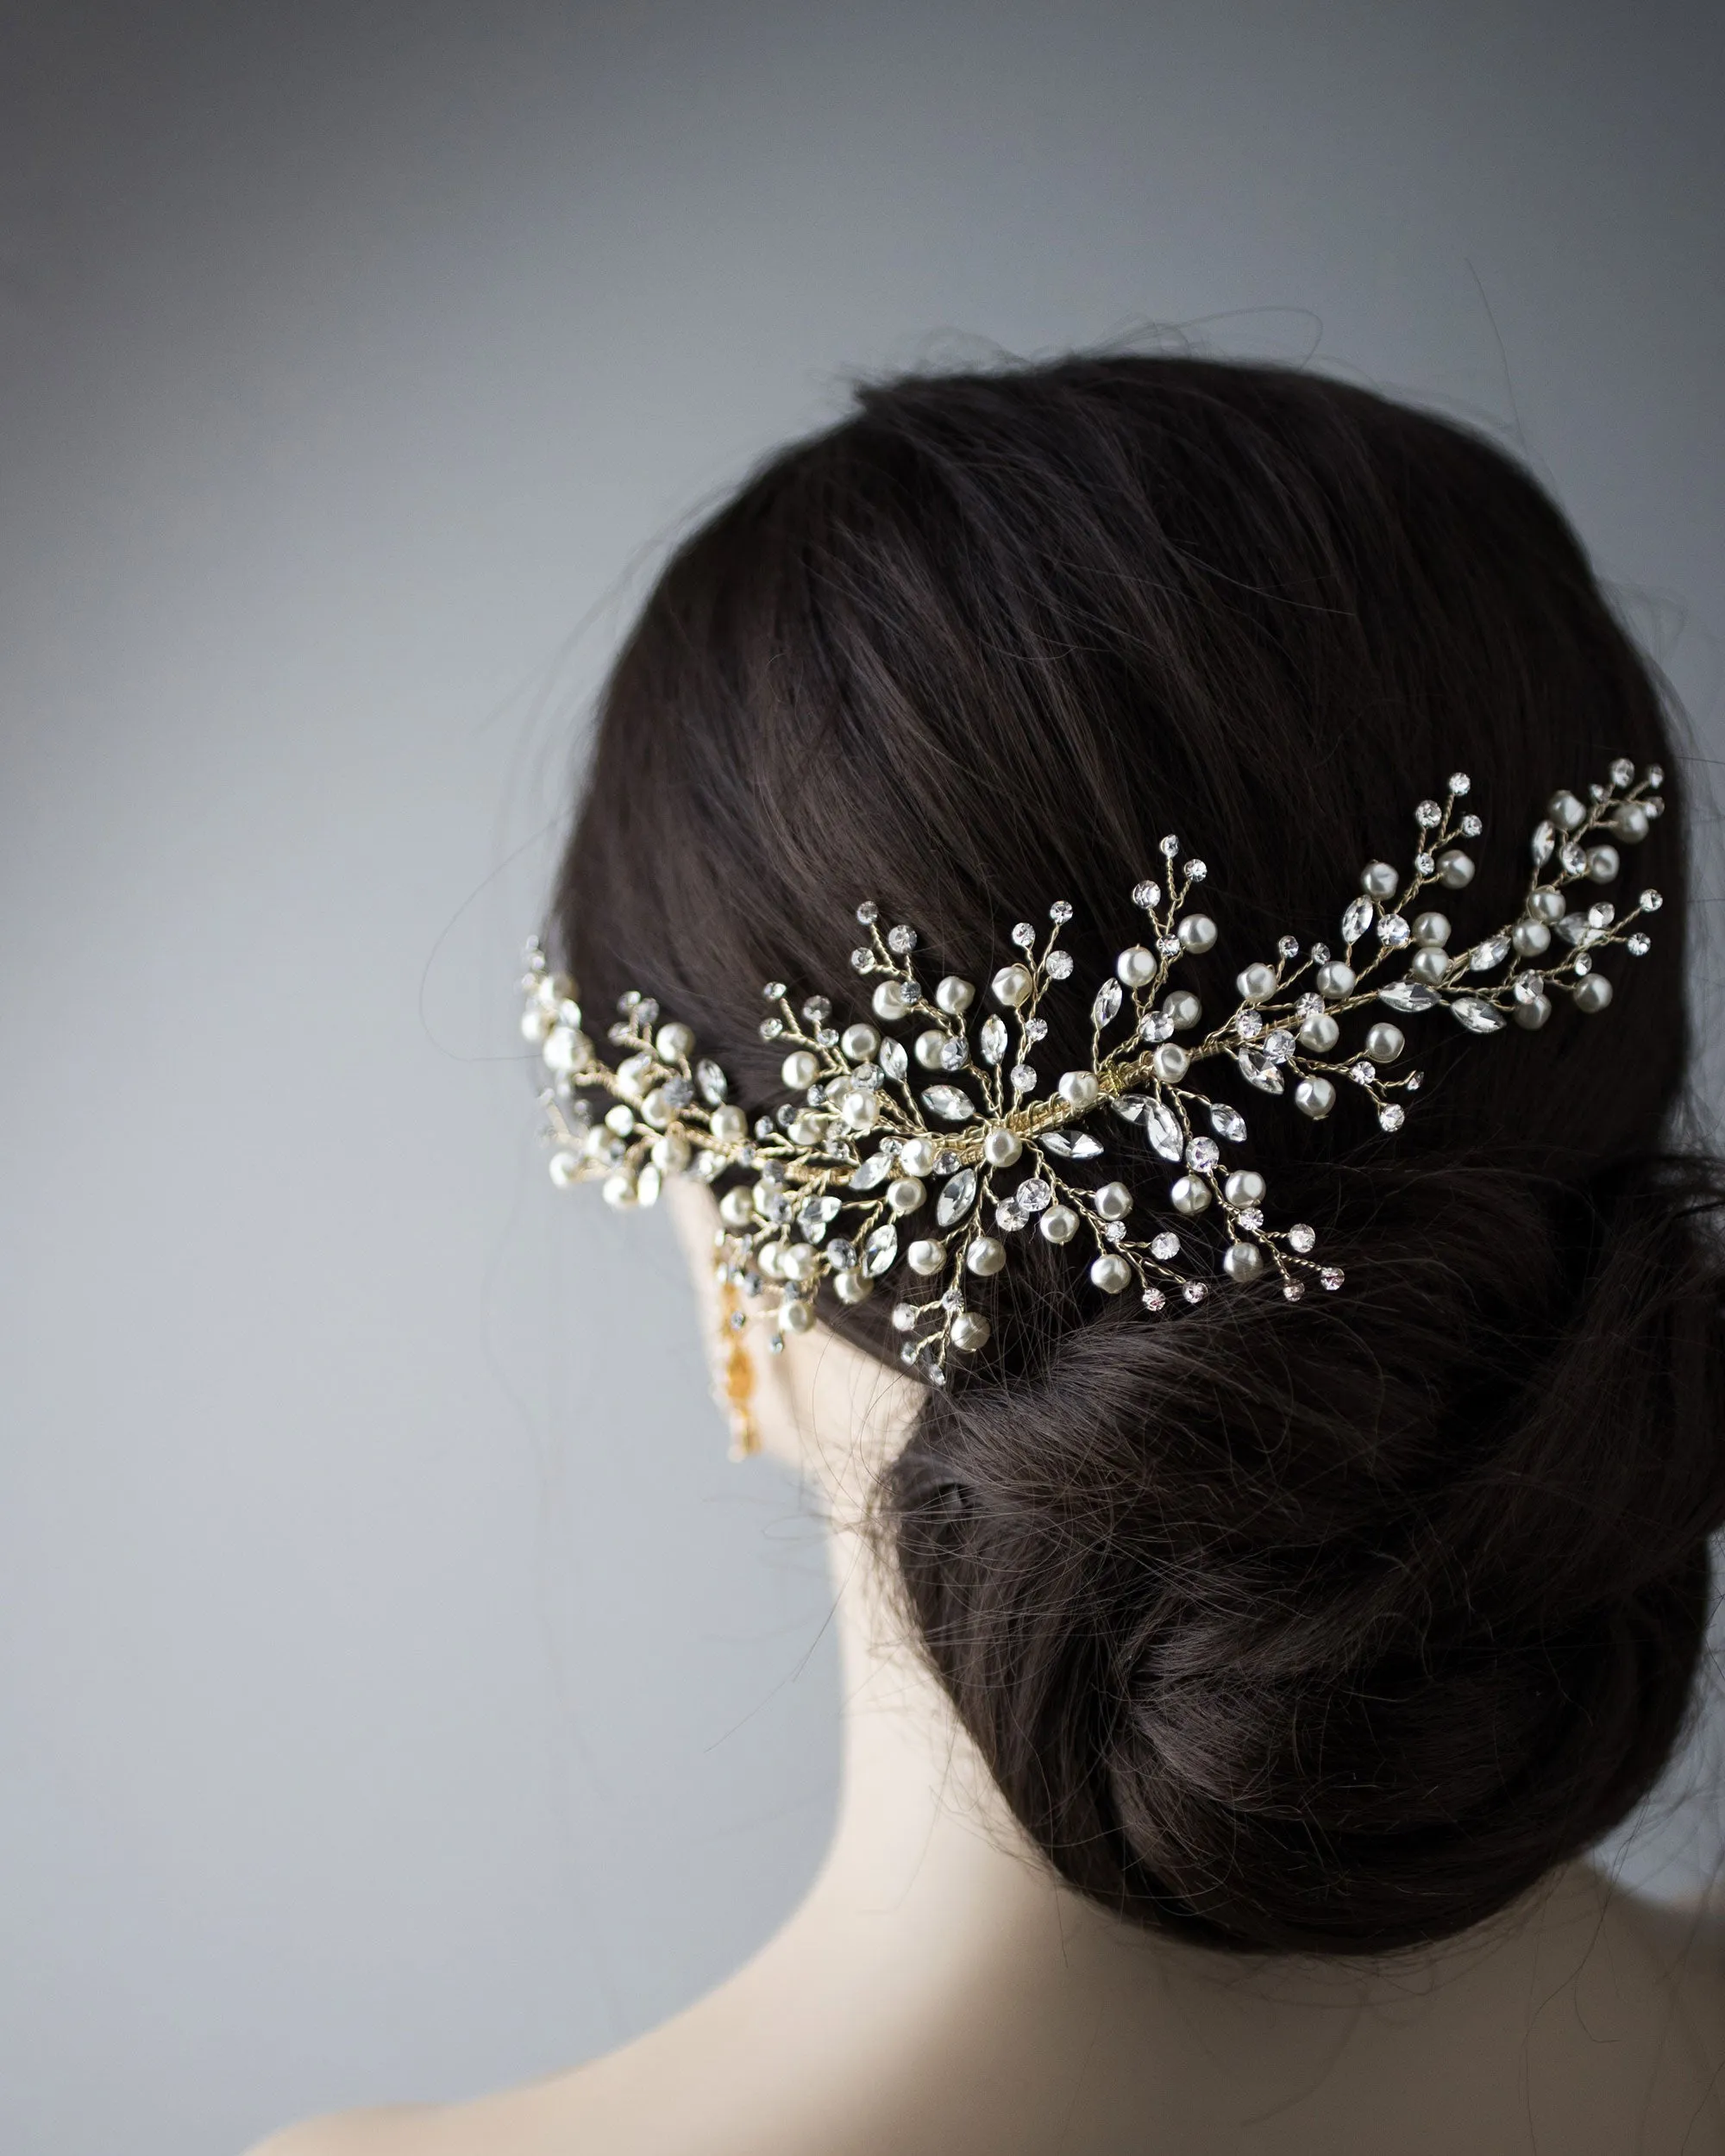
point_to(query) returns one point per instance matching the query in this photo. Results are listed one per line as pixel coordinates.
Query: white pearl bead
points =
(769, 1257)
(619, 1191)
(928, 1047)
(853, 1287)
(1314, 1097)
(536, 1023)
(1197, 933)
(887, 1001)
(729, 1125)
(1533, 1014)
(1455, 870)
(798, 1262)
(859, 1043)
(1012, 985)
(1243, 1261)
(1530, 939)
(859, 1109)
(1602, 864)
(806, 1130)
(1135, 966)
(1429, 964)
(969, 1331)
(736, 1208)
(562, 1050)
(1170, 1062)
(1058, 1225)
(647, 1185)
(1432, 928)
(1113, 1201)
(1547, 905)
(656, 1109)
(905, 1193)
(916, 1156)
(1565, 812)
(565, 1167)
(1384, 1042)
(673, 1042)
(955, 996)
(620, 1119)
(1079, 1089)
(1183, 1009)
(1245, 1187)
(926, 1255)
(1379, 880)
(634, 1074)
(1593, 993)
(985, 1255)
(796, 1315)
(671, 1153)
(1320, 1033)
(1336, 979)
(799, 1068)
(1189, 1195)
(1001, 1147)
(1256, 982)
(1630, 821)
(1111, 1273)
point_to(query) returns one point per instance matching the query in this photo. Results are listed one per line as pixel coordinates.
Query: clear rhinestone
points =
(1302, 1238)
(954, 1054)
(1197, 870)
(1023, 935)
(773, 990)
(1163, 1129)
(1292, 1290)
(1357, 920)
(1429, 816)
(1459, 782)
(901, 938)
(1194, 1291)
(712, 1079)
(948, 1103)
(957, 1198)
(1278, 1045)
(1622, 772)
(1107, 1006)
(1156, 1028)
(905, 1316)
(1638, 945)
(1251, 1219)
(764, 1126)
(1320, 954)
(1169, 946)
(1471, 827)
(1249, 1025)
(1059, 965)
(953, 1300)
(867, 912)
(1170, 847)
(1008, 1218)
(1650, 902)
(1424, 865)
(1036, 1029)
(1023, 1078)
(1309, 1007)
(771, 1029)
(1573, 859)
(817, 1008)
(841, 1254)
(1391, 1116)
(1392, 930)
(1147, 895)
(1227, 1123)
(1060, 912)
(1166, 1245)
(1543, 845)
(1203, 1154)
(1363, 1073)
(1333, 1277)
(993, 1039)
(1288, 947)
(894, 1059)
(1115, 1231)
(1033, 1195)
(863, 961)
(1477, 1015)
(881, 1252)
(1153, 1299)
(1582, 963)
(1259, 1070)
(1492, 952)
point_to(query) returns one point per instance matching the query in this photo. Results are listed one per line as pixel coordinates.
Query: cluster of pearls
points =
(876, 1132)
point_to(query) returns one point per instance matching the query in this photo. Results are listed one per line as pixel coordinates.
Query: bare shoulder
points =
(398, 2130)
(534, 2120)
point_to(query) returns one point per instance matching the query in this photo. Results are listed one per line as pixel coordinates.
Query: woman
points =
(1271, 1494)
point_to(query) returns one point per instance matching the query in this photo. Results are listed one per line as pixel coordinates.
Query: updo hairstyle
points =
(1327, 1626)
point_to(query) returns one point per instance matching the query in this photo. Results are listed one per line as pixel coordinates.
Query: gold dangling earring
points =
(738, 1374)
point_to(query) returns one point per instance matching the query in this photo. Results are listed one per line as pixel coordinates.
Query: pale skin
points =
(939, 1992)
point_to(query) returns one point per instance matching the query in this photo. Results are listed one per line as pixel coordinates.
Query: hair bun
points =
(1334, 1626)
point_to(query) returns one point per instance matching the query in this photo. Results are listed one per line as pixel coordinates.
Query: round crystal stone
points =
(1170, 847)
(1302, 1238)
(1033, 1195)
(1166, 1245)
(1197, 870)
(867, 912)
(1429, 815)
(1333, 1277)
(773, 990)
(1391, 1116)
(1471, 827)
(1153, 1299)
(1147, 895)
(1459, 782)
(1194, 1291)
(1059, 965)
(1023, 935)
(901, 938)
(1638, 945)
(862, 960)
(1060, 912)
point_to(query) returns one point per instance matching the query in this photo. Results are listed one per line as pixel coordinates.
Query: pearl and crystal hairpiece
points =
(877, 1132)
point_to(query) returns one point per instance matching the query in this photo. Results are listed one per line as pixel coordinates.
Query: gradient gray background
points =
(399, 1692)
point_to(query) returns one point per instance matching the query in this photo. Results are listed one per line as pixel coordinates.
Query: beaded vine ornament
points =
(926, 1158)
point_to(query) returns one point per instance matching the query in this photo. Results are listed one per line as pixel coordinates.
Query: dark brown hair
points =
(1330, 1625)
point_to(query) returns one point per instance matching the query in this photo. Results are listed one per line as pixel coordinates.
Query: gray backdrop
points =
(399, 1692)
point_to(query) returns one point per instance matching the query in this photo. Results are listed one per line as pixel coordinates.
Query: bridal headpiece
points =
(921, 1141)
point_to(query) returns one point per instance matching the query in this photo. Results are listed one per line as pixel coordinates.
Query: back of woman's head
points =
(1328, 1625)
